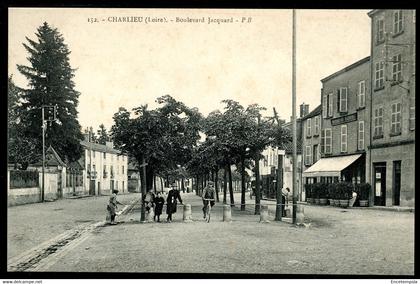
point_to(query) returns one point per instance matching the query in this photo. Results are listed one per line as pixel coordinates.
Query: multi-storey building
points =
(392, 123)
(344, 126)
(311, 141)
(106, 167)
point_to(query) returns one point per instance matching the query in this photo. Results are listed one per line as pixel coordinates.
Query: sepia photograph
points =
(161, 141)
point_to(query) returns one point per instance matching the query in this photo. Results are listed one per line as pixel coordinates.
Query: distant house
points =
(133, 176)
(106, 168)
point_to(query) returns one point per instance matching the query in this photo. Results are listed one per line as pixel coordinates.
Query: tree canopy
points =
(50, 81)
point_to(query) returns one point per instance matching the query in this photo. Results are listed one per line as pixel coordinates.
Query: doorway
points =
(379, 184)
(396, 186)
(92, 187)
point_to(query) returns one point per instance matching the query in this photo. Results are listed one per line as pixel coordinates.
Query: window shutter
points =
(338, 99)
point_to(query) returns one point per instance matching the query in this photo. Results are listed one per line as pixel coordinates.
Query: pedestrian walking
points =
(112, 207)
(159, 201)
(171, 202)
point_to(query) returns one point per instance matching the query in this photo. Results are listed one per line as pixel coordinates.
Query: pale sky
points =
(130, 64)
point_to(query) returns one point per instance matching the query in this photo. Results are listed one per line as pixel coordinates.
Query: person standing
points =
(112, 206)
(159, 201)
(284, 200)
(171, 202)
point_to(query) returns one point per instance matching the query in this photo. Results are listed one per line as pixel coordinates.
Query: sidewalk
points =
(32, 224)
(337, 242)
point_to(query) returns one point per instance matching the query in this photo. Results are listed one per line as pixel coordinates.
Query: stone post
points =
(187, 213)
(227, 213)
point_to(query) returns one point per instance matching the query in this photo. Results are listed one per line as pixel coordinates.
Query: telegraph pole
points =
(295, 192)
(43, 155)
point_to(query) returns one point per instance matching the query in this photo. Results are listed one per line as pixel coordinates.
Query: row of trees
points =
(168, 140)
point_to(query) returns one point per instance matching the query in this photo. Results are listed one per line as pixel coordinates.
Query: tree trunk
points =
(197, 182)
(279, 185)
(243, 183)
(154, 183)
(143, 191)
(149, 178)
(161, 183)
(216, 185)
(182, 185)
(224, 185)
(232, 201)
(257, 187)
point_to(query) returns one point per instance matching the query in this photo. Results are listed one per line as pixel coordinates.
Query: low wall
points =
(19, 196)
(79, 190)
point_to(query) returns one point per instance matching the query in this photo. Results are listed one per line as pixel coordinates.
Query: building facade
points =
(311, 141)
(106, 168)
(392, 149)
(345, 118)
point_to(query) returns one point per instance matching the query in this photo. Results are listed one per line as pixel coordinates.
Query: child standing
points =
(159, 201)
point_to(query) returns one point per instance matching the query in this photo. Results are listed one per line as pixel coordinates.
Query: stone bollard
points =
(264, 214)
(227, 213)
(299, 214)
(187, 213)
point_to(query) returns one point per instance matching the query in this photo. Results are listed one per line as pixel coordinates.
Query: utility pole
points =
(43, 155)
(295, 192)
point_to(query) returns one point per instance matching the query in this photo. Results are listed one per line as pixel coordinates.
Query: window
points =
(327, 141)
(379, 75)
(122, 169)
(361, 94)
(378, 130)
(316, 125)
(343, 99)
(361, 136)
(105, 173)
(123, 188)
(325, 106)
(93, 153)
(412, 122)
(396, 68)
(343, 138)
(396, 118)
(380, 30)
(330, 104)
(398, 22)
(104, 155)
(308, 127)
(118, 157)
(315, 154)
(308, 155)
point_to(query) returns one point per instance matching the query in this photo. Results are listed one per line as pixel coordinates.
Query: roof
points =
(331, 166)
(373, 12)
(313, 113)
(288, 147)
(51, 158)
(99, 147)
(345, 69)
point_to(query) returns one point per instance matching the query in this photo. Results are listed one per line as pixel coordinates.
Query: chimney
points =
(304, 109)
(109, 144)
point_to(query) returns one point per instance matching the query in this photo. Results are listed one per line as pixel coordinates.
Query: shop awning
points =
(330, 166)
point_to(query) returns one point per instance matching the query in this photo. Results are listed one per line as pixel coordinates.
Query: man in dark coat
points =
(159, 201)
(171, 202)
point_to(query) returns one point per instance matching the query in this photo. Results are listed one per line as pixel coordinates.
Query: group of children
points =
(156, 202)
